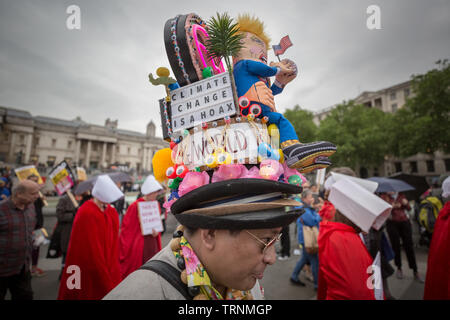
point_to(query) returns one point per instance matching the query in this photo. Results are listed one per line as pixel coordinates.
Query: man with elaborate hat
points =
(92, 263)
(135, 248)
(223, 246)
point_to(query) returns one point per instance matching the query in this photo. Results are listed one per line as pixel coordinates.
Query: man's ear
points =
(208, 238)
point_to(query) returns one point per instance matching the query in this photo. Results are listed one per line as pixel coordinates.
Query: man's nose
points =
(270, 256)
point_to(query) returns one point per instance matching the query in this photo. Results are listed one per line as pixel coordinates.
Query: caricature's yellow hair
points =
(253, 25)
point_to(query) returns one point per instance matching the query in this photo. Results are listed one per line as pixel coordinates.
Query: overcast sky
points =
(101, 71)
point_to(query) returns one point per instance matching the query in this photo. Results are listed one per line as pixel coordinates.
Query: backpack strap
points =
(169, 273)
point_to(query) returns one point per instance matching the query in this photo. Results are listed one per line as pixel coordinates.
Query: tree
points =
(302, 120)
(423, 124)
(360, 134)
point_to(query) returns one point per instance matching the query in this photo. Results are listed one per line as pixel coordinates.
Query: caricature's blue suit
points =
(246, 74)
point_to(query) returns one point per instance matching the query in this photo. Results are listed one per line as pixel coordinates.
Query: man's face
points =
(152, 196)
(34, 179)
(308, 200)
(237, 261)
(254, 49)
(30, 195)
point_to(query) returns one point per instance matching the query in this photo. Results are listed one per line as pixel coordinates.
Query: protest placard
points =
(23, 173)
(320, 177)
(63, 180)
(149, 217)
(81, 174)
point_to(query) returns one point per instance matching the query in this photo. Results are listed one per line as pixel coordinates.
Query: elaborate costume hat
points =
(238, 204)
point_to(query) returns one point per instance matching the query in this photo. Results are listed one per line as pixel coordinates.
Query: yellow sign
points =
(81, 174)
(24, 172)
(59, 176)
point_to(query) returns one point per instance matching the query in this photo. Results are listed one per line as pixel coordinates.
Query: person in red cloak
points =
(136, 249)
(92, 263)
(437, 282)
(344, 262)
(328, 211)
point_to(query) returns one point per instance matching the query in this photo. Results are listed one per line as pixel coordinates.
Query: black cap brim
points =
(230, 188)
(251, 219)
(267, 219)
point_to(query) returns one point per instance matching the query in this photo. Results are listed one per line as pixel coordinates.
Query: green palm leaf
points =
(224, 38)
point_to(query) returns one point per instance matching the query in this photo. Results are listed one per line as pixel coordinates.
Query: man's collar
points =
(13, 205)
(198, 276)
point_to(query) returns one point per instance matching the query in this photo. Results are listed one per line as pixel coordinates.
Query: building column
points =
(113, 153)
(150, 157)
(103, 164)
(77, 152)
(88, 153)
(29, 142)
(12, 147)
(144, 157)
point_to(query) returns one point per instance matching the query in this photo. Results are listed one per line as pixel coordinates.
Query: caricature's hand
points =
(284, 67)
(261, 93)
(285, 77)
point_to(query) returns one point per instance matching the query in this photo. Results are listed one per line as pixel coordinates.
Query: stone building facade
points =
(390, 100)
(44, 142)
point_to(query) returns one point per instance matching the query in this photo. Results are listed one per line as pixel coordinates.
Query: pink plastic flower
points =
(253, 173)
(229, 171)
(168, 204)
(191, 181)
(270, 169)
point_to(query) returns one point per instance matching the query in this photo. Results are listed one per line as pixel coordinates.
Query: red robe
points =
(343, 263)
(134, 248)
(437, 282)
(94, 248)
(328, 211)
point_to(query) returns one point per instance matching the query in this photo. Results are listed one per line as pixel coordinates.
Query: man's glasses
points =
(268, 244)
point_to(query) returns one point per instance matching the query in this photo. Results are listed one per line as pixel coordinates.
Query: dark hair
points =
(339, 217)
(32, 176)
(192, 231)
(343, 170)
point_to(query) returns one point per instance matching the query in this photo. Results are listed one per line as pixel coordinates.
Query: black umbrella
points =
(391, 185)
(87, 185)
(418, 182)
